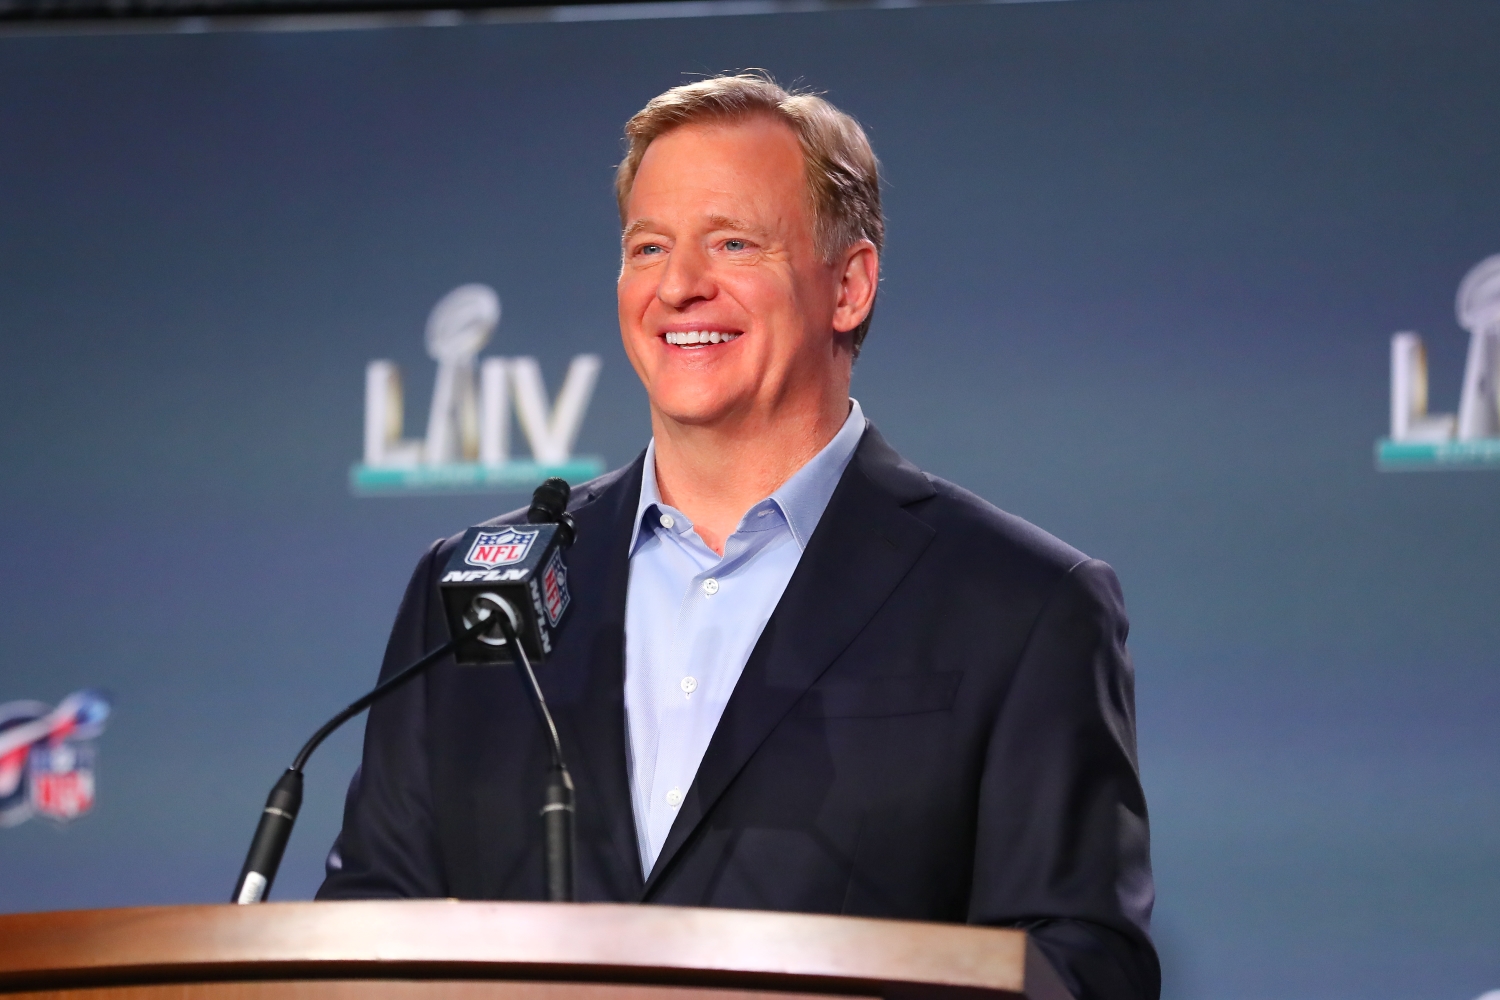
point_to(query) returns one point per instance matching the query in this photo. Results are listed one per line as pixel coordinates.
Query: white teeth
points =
(690, 338)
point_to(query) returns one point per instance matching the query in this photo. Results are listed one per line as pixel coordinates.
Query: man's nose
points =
(687, 277)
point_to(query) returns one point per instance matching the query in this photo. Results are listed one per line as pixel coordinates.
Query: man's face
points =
(719, 247)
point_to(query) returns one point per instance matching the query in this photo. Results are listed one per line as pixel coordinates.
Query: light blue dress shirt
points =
(692, 618)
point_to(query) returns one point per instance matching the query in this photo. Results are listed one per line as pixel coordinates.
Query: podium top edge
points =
(461, 940)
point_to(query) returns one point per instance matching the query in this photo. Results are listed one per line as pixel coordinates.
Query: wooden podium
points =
(505, 951)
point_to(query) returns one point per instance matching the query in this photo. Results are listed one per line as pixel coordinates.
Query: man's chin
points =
(700, 409)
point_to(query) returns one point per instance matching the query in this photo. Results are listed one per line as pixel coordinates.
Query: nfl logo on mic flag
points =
(499, 548)
(555, 588)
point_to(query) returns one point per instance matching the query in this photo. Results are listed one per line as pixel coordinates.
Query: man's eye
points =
(650, 249)
(734, 245)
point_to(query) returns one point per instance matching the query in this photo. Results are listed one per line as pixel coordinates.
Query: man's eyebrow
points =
(727, 222)
(635, 227)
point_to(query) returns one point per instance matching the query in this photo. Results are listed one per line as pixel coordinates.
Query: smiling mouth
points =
(699, 338)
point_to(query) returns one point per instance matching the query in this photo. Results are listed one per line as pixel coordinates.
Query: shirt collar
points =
(802, 498)
(805, 496)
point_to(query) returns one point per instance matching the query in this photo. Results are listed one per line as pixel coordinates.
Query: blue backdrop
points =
(1144, 262)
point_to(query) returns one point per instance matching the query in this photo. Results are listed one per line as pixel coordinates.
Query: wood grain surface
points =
(531, 943)
(405, 989)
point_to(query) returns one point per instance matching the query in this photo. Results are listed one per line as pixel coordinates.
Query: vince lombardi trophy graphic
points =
(457, 330)
(467, 444)
(1478, 310)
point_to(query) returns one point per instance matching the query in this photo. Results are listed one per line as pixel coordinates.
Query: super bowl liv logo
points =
(47, 757)
(467, 445)
(1470, 438)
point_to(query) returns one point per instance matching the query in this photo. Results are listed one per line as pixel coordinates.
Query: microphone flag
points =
(517, 570)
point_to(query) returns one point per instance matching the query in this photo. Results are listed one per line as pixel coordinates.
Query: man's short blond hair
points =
(843, 176)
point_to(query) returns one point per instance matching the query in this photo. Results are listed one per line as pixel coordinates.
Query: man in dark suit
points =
(799, 674)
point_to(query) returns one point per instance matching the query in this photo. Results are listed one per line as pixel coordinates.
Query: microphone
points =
(514, 576)
(549, 505)
(492, 612)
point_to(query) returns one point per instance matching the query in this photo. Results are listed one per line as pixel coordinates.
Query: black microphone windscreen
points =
(549, 501)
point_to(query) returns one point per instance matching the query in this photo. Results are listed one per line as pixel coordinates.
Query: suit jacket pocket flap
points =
(907, 694)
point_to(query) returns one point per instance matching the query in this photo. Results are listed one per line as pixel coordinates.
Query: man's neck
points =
(714, 473)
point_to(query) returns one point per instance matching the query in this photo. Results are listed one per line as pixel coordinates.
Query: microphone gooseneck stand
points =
(280, 814)
(276, 820)
(557, 808)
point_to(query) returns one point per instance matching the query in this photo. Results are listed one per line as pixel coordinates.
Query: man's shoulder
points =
(1006, 561)
(965, 521)
(964, 524)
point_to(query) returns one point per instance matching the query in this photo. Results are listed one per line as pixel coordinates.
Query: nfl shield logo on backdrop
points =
(62, 779)
(500, 548)
(47, 757)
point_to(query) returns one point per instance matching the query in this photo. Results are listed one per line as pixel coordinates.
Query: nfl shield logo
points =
(47, 757)
(500, 548)
(555, 595)
(62, 780)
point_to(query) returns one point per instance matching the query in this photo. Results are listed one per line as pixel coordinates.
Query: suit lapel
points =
(863, 546)
(593, 727)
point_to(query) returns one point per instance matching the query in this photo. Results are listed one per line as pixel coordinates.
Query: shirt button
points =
(674, 798)
(689, 685)
(667, 521)
(710, 586)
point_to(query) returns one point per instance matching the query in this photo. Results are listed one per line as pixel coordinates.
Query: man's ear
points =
(858, 280)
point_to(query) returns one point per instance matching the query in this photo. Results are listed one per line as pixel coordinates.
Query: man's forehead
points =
(717, 172)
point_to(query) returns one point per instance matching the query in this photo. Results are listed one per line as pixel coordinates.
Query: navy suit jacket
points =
(937, 723)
